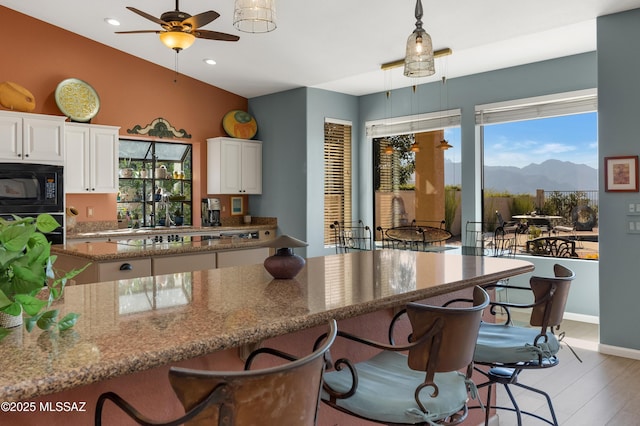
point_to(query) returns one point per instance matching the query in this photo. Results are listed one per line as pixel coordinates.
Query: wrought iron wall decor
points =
(160, 128)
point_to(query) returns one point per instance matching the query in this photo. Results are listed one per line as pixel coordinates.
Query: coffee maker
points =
(211, 212)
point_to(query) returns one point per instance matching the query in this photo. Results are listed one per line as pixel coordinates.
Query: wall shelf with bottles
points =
(155, 183)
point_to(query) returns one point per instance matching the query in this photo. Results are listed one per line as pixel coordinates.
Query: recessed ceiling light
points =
(209, 61)
(112, 21)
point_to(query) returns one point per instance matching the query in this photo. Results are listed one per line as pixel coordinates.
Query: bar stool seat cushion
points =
(386, 387)
(498, 343)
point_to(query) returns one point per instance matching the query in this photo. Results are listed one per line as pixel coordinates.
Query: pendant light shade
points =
(255, 16)
(419, 61)
(177, 40)
(444, 145)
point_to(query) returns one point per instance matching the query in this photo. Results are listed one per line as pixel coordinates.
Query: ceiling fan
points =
(179, 29)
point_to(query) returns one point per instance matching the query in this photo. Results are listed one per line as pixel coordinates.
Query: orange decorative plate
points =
(239, 124)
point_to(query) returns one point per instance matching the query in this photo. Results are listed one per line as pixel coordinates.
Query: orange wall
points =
(132, 91)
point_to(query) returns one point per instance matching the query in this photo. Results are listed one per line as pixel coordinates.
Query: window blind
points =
(337, 175)
(413, 123)
(539, 107)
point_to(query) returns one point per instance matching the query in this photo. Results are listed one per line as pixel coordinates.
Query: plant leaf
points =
(30, 304)
(15, 238)
(46, 223)
(30, 322)
(68, 321)
(47, 319)
(26, 280)
(4, 300)
(14, 309)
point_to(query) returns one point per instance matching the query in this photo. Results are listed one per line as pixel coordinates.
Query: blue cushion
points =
(498, 343)
(386, 388)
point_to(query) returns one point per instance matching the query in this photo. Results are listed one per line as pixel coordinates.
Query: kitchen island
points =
(141, 253)
(130, 331)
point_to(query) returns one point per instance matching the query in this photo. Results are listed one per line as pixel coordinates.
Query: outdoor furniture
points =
(509, 227)
(412, 237)
(583, 218)
(352, 236)
(551, 247)
(239, 397)
(479, 240)
(426, 381)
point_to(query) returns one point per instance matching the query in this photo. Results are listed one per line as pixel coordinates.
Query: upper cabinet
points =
(234, 166)
(91, 164)
(31, 138)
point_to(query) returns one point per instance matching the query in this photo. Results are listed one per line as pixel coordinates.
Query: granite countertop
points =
(186, 315)
(125, 233)
(127, 247)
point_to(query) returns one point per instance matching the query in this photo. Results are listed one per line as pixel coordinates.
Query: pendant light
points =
(255, 16)
(419, 61)
(414, 146)
(444, 145)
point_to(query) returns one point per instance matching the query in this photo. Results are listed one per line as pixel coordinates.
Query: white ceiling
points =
(339, 45)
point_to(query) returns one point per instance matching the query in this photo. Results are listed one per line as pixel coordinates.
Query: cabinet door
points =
(76, 168)
(104, 159)
(250, 256)
(251, 168)
(11, 137)
(230, 167)
(43, 140)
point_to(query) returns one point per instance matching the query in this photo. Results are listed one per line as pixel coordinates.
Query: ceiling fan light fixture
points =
(255, 16)
(177, 40)
(419, 60)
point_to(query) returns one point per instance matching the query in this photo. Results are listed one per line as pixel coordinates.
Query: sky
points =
(571, 138)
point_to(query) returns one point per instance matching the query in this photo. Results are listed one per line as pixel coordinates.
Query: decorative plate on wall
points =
(239, 124)
(77, 100)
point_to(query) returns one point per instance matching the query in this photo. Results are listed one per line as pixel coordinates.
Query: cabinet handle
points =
(126, 267)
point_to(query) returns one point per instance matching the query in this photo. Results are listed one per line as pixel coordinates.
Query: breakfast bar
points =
(130, 331)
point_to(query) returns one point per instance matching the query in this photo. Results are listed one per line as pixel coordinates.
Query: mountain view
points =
(551, 175)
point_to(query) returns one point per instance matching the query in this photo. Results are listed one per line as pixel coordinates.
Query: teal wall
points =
(618, 130)
(291, 127)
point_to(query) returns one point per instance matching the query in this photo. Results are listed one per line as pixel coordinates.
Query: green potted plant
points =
(28, 281)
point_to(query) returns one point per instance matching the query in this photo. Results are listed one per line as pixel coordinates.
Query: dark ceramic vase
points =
(284, 264)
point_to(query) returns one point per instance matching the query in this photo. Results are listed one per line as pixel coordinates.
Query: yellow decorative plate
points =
(77, 100)
(239, 124)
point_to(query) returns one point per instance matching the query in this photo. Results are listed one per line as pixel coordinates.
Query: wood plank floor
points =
(600, 390)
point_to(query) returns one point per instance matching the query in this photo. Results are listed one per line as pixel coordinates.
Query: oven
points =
(28, 189)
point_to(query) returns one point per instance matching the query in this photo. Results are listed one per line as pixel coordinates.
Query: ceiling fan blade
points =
(138, 32)
(214, 35)
(146, 15)
(201, 19)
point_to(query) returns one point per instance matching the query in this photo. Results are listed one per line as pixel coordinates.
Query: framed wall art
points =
(621, 173)
(236, 206)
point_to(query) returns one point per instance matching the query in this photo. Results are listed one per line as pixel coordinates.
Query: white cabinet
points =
(234, 166)
(91, 164)
(31, 138)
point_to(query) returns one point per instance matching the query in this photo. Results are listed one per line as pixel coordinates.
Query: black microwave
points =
(27, 188)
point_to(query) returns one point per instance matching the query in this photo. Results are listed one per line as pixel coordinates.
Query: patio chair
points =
(351, 236)
(509, 227)
(425, 385)
(239, 397)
